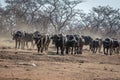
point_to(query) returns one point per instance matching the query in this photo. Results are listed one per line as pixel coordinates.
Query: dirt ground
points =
(28, 65)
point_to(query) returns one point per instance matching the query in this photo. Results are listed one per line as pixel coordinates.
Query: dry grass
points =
(28, 65)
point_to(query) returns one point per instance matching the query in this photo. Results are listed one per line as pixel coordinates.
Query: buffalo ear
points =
(13, 32)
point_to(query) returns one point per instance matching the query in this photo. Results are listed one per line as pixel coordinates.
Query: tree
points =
(102, 20)
(61, 11)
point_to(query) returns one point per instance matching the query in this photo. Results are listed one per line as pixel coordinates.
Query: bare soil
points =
(17, 64)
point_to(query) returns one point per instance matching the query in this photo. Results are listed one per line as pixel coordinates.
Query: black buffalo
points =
(28, 38)
(70, 43)
(88, 41)
(74, 43)
(79, 44)
(115, 46)
(59, 41)
(17, 36)
(94, 46)
(41, 41)
(107, 46)
(100, 42)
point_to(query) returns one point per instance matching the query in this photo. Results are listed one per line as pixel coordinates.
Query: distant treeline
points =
(59, 16)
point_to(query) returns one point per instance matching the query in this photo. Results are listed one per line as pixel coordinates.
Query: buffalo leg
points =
(38, 49)
(72, 51)
(104, 51)
(111, 51)
(19, 44)
(15, 44)
(57, 50)
(67, 50)
(62, 50)
(81, 49)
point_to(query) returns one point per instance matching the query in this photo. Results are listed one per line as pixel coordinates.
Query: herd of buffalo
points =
(67, 44)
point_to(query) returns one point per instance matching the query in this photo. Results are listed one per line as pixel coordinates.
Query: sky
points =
(87, 5)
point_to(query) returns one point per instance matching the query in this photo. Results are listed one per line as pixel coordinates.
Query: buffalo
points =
(59, 41)
(107, 46)
(17, 36)
(88, 41)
